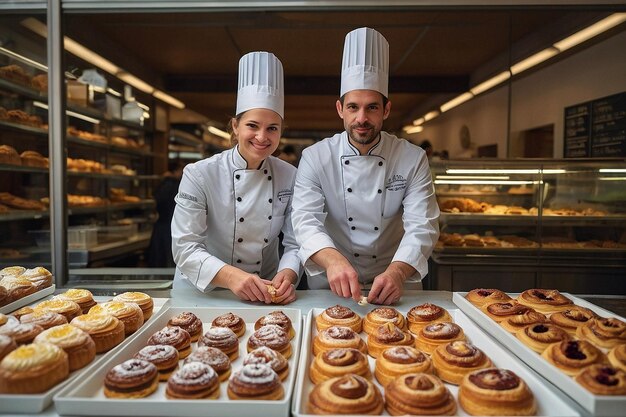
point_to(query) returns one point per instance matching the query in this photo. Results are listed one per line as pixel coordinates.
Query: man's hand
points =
(388, 287)
(285, 287)
(342, 277)
(247, 286)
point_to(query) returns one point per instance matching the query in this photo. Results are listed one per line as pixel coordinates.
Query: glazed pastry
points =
(278, 318)
(338, 362)
(419, 395)
(213, 357)
(173, 336)
(337, 337)
(454, 360)
(84, 298)
(617, 357)
(539, 336)
(502, 311)
(164, 357)
(195, 380)
(484, 296)
(144, 301)
(570, 356)
(32, 369)
(255, 382)
(496, 392)
(436, 334)
(401, 360)
(22, 311)
(189, 322)
(272, 336)
(265, 355)
(39, 276)
(602, 380)
(572, 318)
(134, 378)
(15, 271)
(128, 313)
(382, 315)
(17, 287)
(545, 301)
(105, 330)
(420, 316)
(222, 338)
(78, 345)
(339, 316)
(517, 322)
(349, 394)
(65, 307)
(7, 345)
(232, 321)
(386, 336)
(45, 319)
(22, 333)
(603, 332)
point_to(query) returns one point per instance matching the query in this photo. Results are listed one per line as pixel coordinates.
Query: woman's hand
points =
(285, 288)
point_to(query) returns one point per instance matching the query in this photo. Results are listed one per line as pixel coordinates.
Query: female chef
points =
(231, 207)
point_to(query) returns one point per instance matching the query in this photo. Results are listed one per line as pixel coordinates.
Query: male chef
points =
(364, 207)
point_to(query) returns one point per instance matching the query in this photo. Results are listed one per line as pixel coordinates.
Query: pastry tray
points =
(599, 405)
(85, 396)
(29, 299)
(35, 403)
(549, 402)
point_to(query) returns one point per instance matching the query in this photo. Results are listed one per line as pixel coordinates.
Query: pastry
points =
(339, 316)
(482, 296)
(436, 334)
(4, 297)
(128, 313)
(617, 357)
(255, 382)
(337, 362)
(386, 336)
(272, 336)
(419, 395)
(22, 333)
(602, 380)
(78, 345)
(382, 315)
(12, 270)
(337, 337)
(420, 316)
(517, 322)
(232, 321)
(496, 392)
(173, 336)
(539, 336)
(454, 360)
(84, 298)
(45, 319)
(8, 155)
(572, 318)
(65, 307)
(571, 356)
(401, 360)
(144, 301)
(222, 338)
(270, 357)
(39, 276)
(278, 318)
(32, 369)
(15, 73)
(134, 378)
(188, 321)
(17, 287)
(105, 330)
(213, 357)
(164, 357)
(348, 394)
(8, 321)
(544, 301)
(194, 380)
(7, 345)
(503, 311)
(603, 332)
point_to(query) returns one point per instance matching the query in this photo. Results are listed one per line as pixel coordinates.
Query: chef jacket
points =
(228, 214)
(374, 209)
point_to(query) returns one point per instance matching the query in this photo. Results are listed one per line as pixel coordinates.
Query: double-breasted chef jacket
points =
(228, 214)
(375, 208)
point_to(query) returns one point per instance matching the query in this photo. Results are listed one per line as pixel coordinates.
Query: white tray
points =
(86, 397)
(29, 299)
(599, 405)
(35, 403)
(549, 403)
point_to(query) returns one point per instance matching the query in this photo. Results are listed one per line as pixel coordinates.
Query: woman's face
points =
(258, 134)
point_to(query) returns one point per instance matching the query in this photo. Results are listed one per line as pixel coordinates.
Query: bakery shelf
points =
(21, 168)
(85, 142)
(112, 207)
(112, 176)
(130, 151)
(23, 128)
(22, 90)
(23, 215)
(487, 219)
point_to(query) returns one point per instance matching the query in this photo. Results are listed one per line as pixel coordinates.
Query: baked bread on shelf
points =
(9, 156)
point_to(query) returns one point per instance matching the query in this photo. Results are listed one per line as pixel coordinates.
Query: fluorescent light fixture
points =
(490, 182)
(412, 129)
(533, 60)
(419, 121)
(456, 101)
(24, 59)
(469, 177)
(431, 115)
(591, 31)
(69, 113)
(135, 82)
(490, 83)
(616, 170)
(504, 171)
(169, 99)
(219, 132)
(612, 178)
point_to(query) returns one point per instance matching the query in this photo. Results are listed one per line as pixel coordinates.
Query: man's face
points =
(363, 114)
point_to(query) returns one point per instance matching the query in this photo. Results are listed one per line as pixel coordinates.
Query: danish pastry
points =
(82, 297)
(277, 318)
(517, 322)
(339, 316)
(255, 382)
(539, 336)
(420, 316)
(382, 315)
(272, 336)
(419, 395)
(572, 318)
(544, 301)
(78, 345)
(270, 357)
(39, 276)
(173, 336)
(194, 380)
(45, 319)
(17, 287)
(387, 335)
(617, 357)
(483, 296)
(213, 357)
(502, 311)
(22, 333)
(164, 357)
(32, 369)
(143, 300)
(603, 332)
(401, 360)
(128, 313)
(571, 356)
(337, 337)
(232, 321)
(436, 334)
(188, 321)
(602, 380)
(348, 394)
(338, 362)
(105, 330)
(65, 307)
(134, 378)
(454, 360)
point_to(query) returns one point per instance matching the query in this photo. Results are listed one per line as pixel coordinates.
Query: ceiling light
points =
(490, 83)
(491, 182)
(456, 101)
(504, 171)
(219, 132)
(591, 31)
(431, 115)
(412, 129)
(607, 170)
(169, 99)
(533, 60)
(419, 121)
(23, 59)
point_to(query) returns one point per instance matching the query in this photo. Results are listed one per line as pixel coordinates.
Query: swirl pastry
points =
(602, 380)
(195, 380)
(348, 394)
(572, 318)
(539, 336)
(380, 316)
(502, 311)
(339, 316)
(270, 357)
(401, 360)
(45, 319)
(337, 362)
(570, 356)
(419, 395)
(496, 392)
(454, 360)
(7, 345)
(232, 321)
(617, 357)
(213, 357)
(222, 338)
(22, 333)
(173, 336)
(436, 334)
(484, 296)
(517, 322)
(39, 276)
(32, 369)
(134, 378)
(65, 307)
(272, 336)
(545, 301)
(420, 316)
(603, 332)
(82, 297)
(386, 336)
(105, 330)
(255, 382)
(128, 313)
(277, 318)
(17, 287)
(78, 345)
(164, 357)
(144, 301)
(337, 337)
(188, 321)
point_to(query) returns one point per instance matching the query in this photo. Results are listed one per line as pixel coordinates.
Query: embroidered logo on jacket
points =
(186, 196)
(396, 183)
(284, 195)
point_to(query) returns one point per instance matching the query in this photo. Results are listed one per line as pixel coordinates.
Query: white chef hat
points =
(260, 83)
(365, 63)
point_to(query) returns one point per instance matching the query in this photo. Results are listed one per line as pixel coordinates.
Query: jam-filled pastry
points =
(419, 395)
(386, 336)
(45, 319)
(164, 357)
(78, 345)
(572, 318)
(601, 379)
(337, 337)
(539, 336)
(545, 301)
(338, 362)
(193, 381)
(571, 356)
(32, 369)
(105, 330)
(7, 345)
(188, 321)
(436, 334)
(128, 313)
(134, 378)
(22, 333)
(502, 311)
(213, 357)
(339, 316)
(232, 321)
(380, 316)
(255, 382)
(173, 336)
(422, 315)
(617, 357)
(277, 318)
(65, 307)
(269, 357)
(82, 297)
(603, 332)
(496, 392)
(454, 360)
(483, 296)
(272, 336)
(401, 360)
(348, 394)
(143, 300)
(517, 322)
